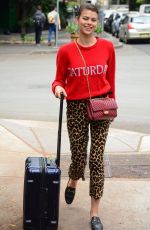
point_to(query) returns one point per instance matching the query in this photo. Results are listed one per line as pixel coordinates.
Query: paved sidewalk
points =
(63, 37)
(125, 204)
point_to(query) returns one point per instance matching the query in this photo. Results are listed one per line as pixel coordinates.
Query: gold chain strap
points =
(86, 72)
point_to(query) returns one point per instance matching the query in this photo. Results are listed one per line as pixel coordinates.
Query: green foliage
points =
(72, 28)
(139, 1)
(63, 14)
(72, 4)
(28, 8)
(27, 38)
(28, 21)
(98, 29)
(47, 5)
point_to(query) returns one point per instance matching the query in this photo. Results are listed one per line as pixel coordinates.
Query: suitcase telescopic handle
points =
(59, 130)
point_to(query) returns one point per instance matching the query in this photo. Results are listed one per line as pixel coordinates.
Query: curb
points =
(119, 45)
(13, 40)
(42, 49)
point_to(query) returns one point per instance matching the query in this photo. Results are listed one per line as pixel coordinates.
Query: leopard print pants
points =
(78, 129)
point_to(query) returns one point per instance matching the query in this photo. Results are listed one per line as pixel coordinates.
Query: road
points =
(133, 81)
(26, 77)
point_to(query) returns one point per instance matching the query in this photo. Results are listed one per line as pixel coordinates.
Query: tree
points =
(134, 4)
(143, 2)
(27, 8)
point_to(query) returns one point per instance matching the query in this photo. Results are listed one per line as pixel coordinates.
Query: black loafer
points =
(69, 194)
(96, 223)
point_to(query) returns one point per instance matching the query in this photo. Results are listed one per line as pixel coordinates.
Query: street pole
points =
(56, 42)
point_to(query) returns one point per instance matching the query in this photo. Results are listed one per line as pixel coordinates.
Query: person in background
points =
(71, 81)
(53, 20)
(39, 20)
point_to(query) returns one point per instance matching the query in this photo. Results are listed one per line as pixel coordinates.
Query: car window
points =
(141, 19)
(147, 10)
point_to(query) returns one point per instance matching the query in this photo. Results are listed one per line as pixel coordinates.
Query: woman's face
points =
(87, 22)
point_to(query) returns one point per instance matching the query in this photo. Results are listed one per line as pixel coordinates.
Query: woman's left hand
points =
(60, 90)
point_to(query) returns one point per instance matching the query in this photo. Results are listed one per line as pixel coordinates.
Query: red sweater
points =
(100, 62)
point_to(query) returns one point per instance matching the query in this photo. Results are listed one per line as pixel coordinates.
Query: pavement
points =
(63, 37)
(125, 204)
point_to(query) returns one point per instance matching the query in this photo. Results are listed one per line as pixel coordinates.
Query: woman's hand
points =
(60, 90)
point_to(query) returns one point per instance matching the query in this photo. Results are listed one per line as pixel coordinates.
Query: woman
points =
(71, 81)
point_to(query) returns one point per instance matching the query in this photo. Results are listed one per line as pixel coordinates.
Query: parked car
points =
(107, 13)
(108, 22)
(116, 23)
(144, 9)
(134, 26)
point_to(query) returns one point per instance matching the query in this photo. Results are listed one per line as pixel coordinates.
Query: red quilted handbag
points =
(102, 109)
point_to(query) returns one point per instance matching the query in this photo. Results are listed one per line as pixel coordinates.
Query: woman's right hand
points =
(60, 90)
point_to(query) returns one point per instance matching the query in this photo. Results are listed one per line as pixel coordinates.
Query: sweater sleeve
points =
(111, 71)
(61, 70)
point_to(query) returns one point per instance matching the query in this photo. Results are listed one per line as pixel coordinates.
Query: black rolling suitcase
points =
(42, 189)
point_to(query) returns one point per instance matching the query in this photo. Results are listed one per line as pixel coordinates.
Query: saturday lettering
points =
(90, 70)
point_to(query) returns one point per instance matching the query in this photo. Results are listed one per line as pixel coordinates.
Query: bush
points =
(72, 28)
